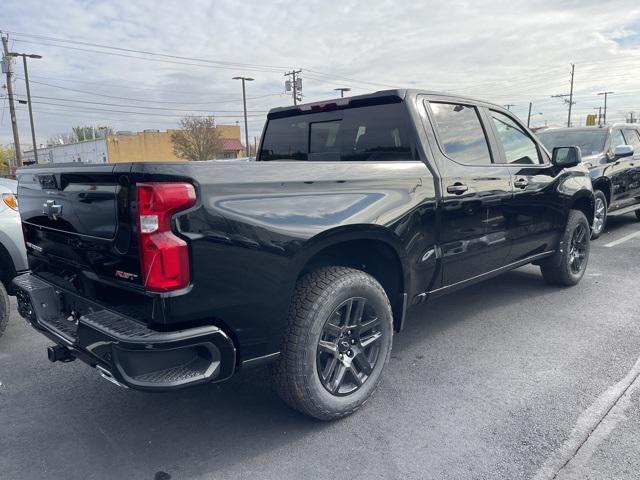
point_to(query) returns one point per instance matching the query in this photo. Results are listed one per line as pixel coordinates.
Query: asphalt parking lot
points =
(508, 379)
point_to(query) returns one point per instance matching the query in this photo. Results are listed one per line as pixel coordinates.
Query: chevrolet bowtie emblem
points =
(51, 209)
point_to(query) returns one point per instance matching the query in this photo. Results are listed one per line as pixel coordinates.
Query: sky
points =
(508, 52)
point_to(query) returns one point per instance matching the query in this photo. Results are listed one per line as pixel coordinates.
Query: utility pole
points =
(564, 96)
(604, 115)
(295, 84)
(26, 80)
(529, 115)
(509, 105)
(244, 103)
(573, 67)
(342, 90)
(12, 108)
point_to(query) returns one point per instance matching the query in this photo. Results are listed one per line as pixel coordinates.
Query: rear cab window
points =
(354, 132)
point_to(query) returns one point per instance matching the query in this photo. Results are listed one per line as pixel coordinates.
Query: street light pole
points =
(244, 103)
(17, 151)
(26, 79)
(342, 90)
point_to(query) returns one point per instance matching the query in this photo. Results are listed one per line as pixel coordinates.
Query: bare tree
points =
(197, 139)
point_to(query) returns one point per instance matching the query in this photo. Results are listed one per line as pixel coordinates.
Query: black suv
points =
(612, 155)
(167, 275)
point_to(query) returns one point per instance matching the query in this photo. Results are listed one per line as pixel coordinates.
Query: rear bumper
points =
(125, 351)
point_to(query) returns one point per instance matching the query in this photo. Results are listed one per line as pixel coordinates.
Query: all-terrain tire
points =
(318, 296)
(561, 268)
(4, 309)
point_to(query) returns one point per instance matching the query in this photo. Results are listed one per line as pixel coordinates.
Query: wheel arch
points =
(7, 268)
(370, 248)
(604, 185)
(583, 201)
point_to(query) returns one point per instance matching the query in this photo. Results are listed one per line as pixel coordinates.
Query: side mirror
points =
(566, 157)
(622, 151)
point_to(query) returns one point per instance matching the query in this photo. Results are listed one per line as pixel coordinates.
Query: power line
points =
(142, 106)
(145, 52)
(93, 109)
(86, 92)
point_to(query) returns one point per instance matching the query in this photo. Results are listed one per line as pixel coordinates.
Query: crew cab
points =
(612, 155)
(166, 275)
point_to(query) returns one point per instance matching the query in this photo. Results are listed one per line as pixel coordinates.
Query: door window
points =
(518, 146)
(617, 139)
(631, 137)
(461, 133)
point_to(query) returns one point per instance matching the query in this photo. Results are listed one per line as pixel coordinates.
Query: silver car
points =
(13, 255)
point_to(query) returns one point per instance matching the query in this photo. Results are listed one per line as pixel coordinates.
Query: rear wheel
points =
(567, 267)
(4, 309)
(600, 214)
(337, 343)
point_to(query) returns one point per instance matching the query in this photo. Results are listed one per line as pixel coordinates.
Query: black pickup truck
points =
(166, 275)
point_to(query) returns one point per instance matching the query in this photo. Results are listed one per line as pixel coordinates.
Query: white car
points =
(13, 255)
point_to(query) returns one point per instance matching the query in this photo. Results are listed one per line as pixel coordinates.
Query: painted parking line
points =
(623, 239)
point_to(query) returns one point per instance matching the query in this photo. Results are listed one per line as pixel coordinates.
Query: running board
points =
(625, 210)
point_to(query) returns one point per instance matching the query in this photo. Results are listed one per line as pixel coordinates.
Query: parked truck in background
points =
(167, 275)
(13, 256)
(612, 155)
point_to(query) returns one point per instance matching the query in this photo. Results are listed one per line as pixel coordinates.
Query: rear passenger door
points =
(475, 191)
(534, 215)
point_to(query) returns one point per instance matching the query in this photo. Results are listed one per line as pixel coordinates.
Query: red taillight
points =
(164, 257)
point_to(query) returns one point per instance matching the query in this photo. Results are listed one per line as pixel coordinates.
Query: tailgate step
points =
(117, 326)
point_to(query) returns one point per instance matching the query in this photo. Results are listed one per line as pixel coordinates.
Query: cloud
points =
(506, 52)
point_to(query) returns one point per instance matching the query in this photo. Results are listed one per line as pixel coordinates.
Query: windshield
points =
(591, 142)
(370, 133)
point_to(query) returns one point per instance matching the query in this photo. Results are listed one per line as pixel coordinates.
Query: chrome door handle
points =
(521, 183)
(457, 188)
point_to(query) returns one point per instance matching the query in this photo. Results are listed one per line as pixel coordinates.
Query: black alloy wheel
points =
(578, 249)
(349, 346)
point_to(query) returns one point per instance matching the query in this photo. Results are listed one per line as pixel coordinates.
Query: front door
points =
(534, 214)
(475, 191)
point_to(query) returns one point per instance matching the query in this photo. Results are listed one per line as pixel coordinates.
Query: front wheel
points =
(600, 214)
(338, 341)
(568, 265)
(638, 214)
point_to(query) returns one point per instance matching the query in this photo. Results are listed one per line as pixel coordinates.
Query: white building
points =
(89, 151)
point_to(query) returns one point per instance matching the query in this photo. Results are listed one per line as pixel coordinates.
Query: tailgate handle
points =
(88, 197)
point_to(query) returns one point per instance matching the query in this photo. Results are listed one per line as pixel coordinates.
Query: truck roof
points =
(400, 93)
(591, 128)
